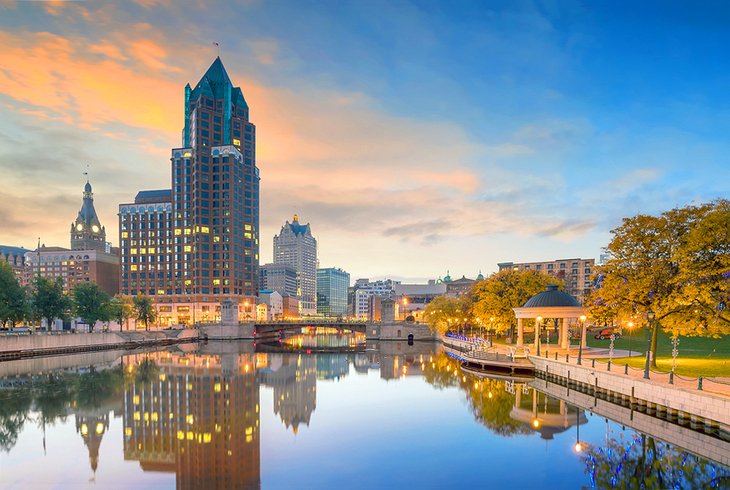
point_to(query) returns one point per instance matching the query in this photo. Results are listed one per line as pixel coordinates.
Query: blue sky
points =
(415, 137)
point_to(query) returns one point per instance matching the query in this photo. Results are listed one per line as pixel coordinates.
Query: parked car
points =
(606, 333)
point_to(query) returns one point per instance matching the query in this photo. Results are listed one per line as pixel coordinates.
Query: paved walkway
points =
(716, 385)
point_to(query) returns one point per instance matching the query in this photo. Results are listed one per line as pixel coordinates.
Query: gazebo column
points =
(566, 334)
(583, 335)
(537, 333)
(520, 336)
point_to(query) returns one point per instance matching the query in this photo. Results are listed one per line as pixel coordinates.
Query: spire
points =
(86, 231)
(215, 80)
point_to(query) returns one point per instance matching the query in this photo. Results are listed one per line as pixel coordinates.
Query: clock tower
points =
(87, 232)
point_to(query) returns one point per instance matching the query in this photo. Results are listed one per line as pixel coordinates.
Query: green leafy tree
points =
(445, 313)
(48, 299)
(144, 310)
(120, 309)
(13, 306)
(495, 296)
(91, 303)
(675, 265)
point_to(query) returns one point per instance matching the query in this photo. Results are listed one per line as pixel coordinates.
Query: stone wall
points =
(401, 331)
(227, 332)
(693, 441)
(703, 404)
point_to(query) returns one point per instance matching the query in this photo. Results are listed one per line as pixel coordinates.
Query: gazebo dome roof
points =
(551, 297)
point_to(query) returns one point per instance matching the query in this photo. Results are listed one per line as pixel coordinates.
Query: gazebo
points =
(554, 304)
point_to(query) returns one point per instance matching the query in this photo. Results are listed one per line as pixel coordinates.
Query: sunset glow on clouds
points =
(413, 140)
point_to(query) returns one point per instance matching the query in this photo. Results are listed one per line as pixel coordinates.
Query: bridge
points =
(264, 328)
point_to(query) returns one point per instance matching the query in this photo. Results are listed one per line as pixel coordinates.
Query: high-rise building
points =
(211, 243)
(90, 259)
(359, 295)
(575, 272)
(332, 284)
(296, 246)
(281, 278)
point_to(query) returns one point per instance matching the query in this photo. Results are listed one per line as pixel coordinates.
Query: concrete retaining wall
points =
(13, 343)
(694, 441)
(227, 332)
(400, 331)
(702, 404)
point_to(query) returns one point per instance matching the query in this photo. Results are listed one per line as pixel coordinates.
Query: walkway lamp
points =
(631, 332)
(491, 330)
(649, 316)
(580, 342)
(538, 322)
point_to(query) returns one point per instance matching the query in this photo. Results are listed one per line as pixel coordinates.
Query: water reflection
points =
(196, 413)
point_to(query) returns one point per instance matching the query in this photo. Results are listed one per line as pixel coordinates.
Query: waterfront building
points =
(461, 287)
(576, 273)
(295, 246)
(290, 306)
(279, 277)
(332, 284)
(90, 257)
(211, 217)
(15, 257)
(363, 289)
(273, 303)
(413, 298)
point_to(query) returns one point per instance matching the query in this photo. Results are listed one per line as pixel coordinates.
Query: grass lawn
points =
(698, 356)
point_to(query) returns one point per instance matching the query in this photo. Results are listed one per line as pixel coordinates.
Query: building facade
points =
(361, 292)
(295, 246)
(576, 273)
(281, 278)
(212, 248)
(332, 284)
(89, 259)
(413, 298)
(15, 257)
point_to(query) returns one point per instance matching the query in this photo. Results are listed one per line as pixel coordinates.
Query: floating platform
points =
(495, 363)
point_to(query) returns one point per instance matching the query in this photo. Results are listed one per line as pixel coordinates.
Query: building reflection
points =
(293, 378)
(195, 415)
(542, 413)
(92, 427)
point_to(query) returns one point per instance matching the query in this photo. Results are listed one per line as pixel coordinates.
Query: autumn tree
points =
(495, 296)
(444, 313)
(121, 309)
(144, 310)
(674, 265)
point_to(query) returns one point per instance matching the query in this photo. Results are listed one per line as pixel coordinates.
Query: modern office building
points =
(281, 278)
(89, 259)
(295, 246)
(332, 284)
(211, 236)
(576, 273)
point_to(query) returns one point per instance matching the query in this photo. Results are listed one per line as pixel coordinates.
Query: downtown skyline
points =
(459, 139)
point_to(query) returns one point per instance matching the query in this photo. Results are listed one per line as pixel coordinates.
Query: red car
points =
(606, 333)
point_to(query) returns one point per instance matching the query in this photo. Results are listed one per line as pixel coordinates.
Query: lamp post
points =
(631, 335)
(580, 342)
(491, 330)
(538, 321)
(578, 446)
(649, 316)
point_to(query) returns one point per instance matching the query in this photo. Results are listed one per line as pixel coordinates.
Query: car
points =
(606, 333)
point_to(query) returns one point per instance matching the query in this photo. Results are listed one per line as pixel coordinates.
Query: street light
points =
(582, 319)
(649, 316)
(578, 446)
(631, 335)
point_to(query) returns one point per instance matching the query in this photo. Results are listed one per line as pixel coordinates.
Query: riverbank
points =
(58, 343)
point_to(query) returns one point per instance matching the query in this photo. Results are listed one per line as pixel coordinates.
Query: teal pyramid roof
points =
(215, 82)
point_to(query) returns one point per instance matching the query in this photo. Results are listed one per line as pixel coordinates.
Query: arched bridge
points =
(264, 328)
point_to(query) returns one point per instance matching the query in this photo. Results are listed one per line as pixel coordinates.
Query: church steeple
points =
(87, 232)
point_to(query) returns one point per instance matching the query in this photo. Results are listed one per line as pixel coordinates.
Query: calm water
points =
(228, 415)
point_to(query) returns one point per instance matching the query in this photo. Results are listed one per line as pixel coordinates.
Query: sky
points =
(415, 137)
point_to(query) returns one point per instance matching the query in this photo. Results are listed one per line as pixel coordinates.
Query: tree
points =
(495, 296)
(675, 265)
(444, 312)
(91, 303)
(120, 309)
(144, 310)
(12, 297)
(48, 299)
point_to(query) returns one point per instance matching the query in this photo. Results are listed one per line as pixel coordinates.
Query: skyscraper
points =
(332, 284)
(211, 252)
(296, 246)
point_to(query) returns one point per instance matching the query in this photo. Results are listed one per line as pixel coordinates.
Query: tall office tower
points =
(214, 247)
(296, 246)
(281, 278)
(332, 284)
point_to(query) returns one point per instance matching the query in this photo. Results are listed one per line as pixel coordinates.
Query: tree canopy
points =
(144, 310)
(91, 303)
(48, 299)
(12, 297)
